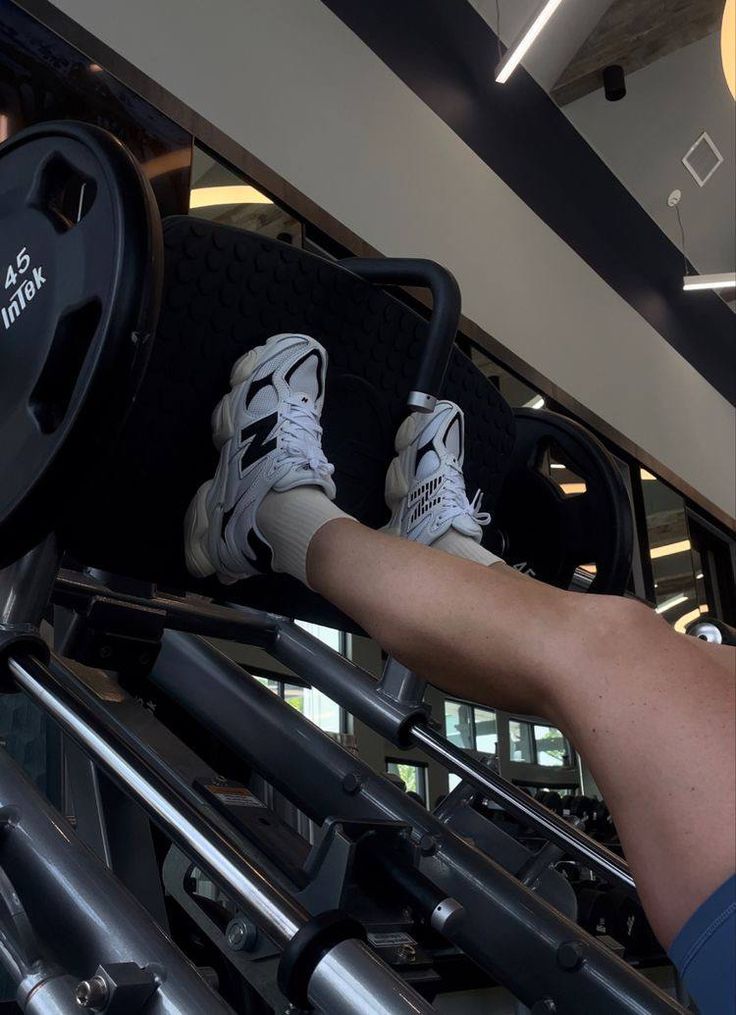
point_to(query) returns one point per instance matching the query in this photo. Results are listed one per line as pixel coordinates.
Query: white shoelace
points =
(455, 501)
(301, 440)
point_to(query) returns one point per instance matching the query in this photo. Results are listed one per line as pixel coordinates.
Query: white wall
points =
(294, 86)
(643, 139)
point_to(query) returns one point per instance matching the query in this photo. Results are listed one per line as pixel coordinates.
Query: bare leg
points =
(652, 712)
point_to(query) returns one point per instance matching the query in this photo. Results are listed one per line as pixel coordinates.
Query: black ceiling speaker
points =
(614, 82)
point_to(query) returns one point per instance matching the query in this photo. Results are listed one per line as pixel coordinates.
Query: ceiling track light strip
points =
(721, 280)
(525, 41)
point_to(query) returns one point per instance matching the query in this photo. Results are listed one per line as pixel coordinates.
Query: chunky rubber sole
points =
(196, 528)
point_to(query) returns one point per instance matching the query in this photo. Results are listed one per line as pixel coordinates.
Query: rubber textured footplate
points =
(225, 291)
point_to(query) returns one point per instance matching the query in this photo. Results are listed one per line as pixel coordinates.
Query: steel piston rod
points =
(279, 916)
(357, 692)
(524, 807)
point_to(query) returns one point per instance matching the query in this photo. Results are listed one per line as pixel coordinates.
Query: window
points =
(311, 702)
(328, 635)
(413, 775)
(537, 744)
(674, 563)
(323, 711)
(459, 724)
(521, 745)
(551, 746)
(486, 733)
(220, 195)
(518, 394)
(471, 727)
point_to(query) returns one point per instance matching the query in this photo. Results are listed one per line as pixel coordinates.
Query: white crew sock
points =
(463, 546)
(290, 520)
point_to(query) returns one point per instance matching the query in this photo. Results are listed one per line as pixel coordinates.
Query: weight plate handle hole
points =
(63, 193)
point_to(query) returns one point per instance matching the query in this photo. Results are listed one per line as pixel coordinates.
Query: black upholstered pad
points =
(226, 291)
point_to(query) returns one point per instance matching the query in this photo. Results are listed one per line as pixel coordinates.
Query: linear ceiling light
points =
(207, 197)
(534, 403)
(723, 280)
(525, 41)
(670, 604)
(647, 476)
(670, 548)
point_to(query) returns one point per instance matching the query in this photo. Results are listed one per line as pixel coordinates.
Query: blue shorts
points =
(704, 953)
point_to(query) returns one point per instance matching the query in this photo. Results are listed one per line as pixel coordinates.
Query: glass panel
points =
(272, 685)
(453, 780)
(220, 195)
(670, 548)
(551, 746)
(459, 723)
(323, 711)
(516, 392)
(414, 777)
(328, 635)
(486, 733)
(520, 741)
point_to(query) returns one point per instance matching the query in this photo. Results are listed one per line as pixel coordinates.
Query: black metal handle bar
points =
(443, 323)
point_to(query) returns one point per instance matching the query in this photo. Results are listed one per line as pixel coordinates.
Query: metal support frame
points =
(79, 909)
(341, 968)
(404, 721)
(507, 929)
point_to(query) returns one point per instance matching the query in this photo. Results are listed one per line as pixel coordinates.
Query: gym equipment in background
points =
(569, 534)
(384, 904)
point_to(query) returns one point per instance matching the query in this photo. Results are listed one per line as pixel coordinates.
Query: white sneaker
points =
(269, 435)
(425, 487)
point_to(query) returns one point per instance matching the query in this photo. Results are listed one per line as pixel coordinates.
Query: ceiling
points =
(643, 138)
(676, 89)
(571, 25)
(633, 34)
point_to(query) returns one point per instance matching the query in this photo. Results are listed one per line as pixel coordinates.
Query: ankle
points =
(290, 520)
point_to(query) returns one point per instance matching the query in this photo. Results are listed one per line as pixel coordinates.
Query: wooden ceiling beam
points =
(635, 33)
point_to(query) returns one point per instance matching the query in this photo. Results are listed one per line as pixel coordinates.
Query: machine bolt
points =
(92, 994)
(427, 845)
(544, 1007)
(241, 935)
(570, 955)
(351, 783)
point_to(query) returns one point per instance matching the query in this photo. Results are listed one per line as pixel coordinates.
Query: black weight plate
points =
(226, 291)
(80, 253)
(548, 532)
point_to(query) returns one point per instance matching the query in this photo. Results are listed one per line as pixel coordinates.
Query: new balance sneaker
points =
(269, 435)
(425, 487)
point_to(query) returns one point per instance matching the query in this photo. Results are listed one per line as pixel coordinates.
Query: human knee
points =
(616, 620)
